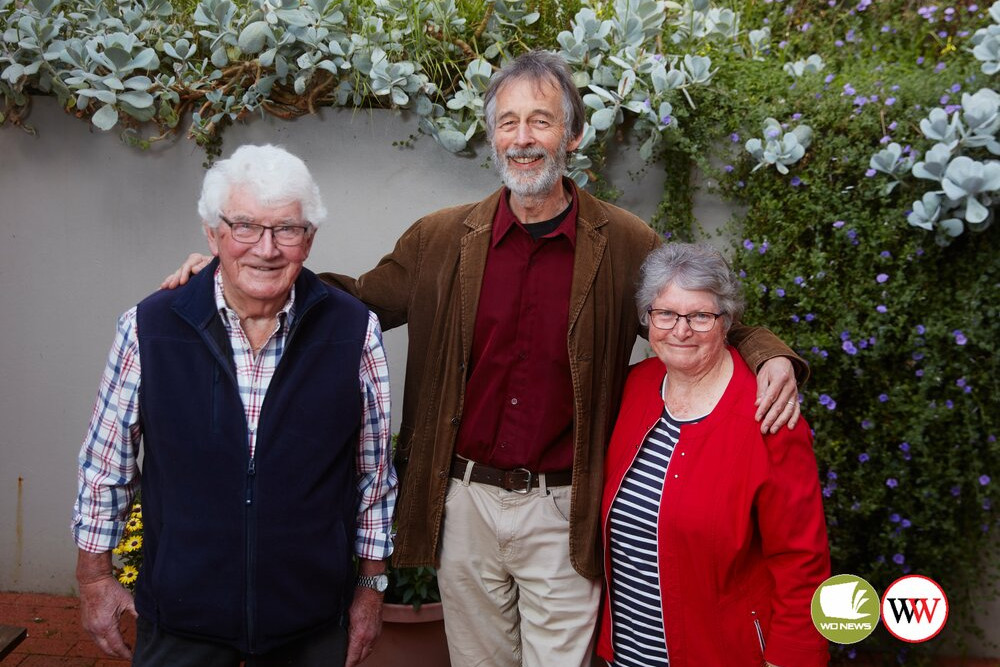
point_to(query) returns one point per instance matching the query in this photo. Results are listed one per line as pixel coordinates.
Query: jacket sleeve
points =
(795, 548)
(387, 289)
(757, 345)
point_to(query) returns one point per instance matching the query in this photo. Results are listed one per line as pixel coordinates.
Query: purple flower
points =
(666, 120)
(863, 457)
(799, 280)
(885, 254)
(734, 137)
(882, 398)
(831, 475)
(894, 517)
(920, 329)
(905, 523)
(849, 90)
(917, 356)
(904, 446)
(845, 335)
(748, 244)
(795, 182)
(828, 78)
(960, 382)
(984, 480)
(763, 247)
(838, 224)
(881, 308)
(881, 278)
(827, 401)
(810, 317)
(960, 338)
(898, 559)
(870, 172)
(849, 348)
(939, 67)
(891, 483)
(889, 101)
(779, 292)
(729, 168)
(956, 490)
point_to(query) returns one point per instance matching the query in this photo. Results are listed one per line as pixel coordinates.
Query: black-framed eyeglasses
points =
(667, 319)
(251, 232)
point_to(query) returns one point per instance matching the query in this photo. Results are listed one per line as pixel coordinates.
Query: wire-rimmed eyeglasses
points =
(251, 232)
(667, 319)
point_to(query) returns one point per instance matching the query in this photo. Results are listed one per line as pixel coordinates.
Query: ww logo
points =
(914, 608)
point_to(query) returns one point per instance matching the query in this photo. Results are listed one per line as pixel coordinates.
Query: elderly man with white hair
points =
(260, 398)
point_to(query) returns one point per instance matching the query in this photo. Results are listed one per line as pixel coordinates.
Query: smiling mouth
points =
(524, 159)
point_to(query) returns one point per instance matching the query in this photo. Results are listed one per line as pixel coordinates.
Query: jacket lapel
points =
(475, 247)
(590, 246)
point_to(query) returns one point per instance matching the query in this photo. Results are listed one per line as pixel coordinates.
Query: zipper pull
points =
(251, 471)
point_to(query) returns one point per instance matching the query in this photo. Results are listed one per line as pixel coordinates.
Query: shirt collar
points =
(505, 218)
(285, 315)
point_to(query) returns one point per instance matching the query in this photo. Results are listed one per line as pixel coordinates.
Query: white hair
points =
(272, 174)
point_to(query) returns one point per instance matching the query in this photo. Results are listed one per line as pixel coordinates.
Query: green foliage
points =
(413, 586)
(900, 329)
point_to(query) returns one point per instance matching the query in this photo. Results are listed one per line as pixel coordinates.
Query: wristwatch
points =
(376, 582)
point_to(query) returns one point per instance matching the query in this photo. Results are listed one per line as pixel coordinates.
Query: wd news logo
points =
(845, 608)
(914, 608)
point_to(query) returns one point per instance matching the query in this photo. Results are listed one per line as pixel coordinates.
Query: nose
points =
(523, 136)
(266, 246)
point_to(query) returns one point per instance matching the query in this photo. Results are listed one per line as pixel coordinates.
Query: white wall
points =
(90, 226)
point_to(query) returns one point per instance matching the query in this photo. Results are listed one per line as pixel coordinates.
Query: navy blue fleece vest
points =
(248, 553)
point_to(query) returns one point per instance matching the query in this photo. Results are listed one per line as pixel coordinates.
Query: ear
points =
(574, 143)
(213, 239)
(308, 243)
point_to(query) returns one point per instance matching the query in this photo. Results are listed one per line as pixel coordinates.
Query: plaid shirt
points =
(108, 475)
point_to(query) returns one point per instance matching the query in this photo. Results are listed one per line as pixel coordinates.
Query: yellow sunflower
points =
(134, 524)
(128, 575)
(133, 543)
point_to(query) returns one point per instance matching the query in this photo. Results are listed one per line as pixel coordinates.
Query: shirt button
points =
(513, 401)
(454, 421)
(442, 474)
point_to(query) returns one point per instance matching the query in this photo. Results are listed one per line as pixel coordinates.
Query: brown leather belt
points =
(520, 480)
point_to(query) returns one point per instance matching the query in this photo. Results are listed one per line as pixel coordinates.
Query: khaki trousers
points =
(509, 593)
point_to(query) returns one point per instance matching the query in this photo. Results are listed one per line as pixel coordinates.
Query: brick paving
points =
(55, 636)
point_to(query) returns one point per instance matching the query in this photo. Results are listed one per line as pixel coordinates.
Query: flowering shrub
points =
(900, 328)
(129, 549)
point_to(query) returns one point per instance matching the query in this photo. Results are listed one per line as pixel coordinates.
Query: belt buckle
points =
(527, 481)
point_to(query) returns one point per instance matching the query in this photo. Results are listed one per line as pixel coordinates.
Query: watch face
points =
(381, 583)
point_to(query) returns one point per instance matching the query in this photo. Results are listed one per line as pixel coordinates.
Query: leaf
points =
(451, 140)
(254, 37)
(602, 119)
(137, 99)
(105, 118)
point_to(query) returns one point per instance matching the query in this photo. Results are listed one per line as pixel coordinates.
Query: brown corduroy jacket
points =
(430, 282)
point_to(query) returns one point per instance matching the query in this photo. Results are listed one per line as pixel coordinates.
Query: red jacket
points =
(742, 535)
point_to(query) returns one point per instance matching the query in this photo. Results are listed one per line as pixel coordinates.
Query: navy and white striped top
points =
(637, 610)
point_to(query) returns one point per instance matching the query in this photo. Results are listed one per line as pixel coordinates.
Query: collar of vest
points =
(195, 303)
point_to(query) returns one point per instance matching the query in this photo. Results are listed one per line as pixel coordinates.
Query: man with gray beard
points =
(521, 323)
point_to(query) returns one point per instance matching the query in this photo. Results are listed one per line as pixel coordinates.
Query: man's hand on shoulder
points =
(777, 395)
(192, 265)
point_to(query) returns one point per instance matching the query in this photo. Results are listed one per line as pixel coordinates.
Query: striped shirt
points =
(108, 475)
(637, 608)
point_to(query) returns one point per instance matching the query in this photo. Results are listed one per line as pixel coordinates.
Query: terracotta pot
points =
(411, 638)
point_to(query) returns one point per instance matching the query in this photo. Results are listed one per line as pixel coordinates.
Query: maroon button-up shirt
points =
(519, 393)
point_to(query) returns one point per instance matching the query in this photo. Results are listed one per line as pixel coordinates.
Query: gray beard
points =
(539, 184)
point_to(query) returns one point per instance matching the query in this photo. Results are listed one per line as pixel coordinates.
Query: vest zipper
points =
(251, 539)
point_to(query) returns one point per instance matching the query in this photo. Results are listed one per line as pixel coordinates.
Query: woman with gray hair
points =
(714, 534)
